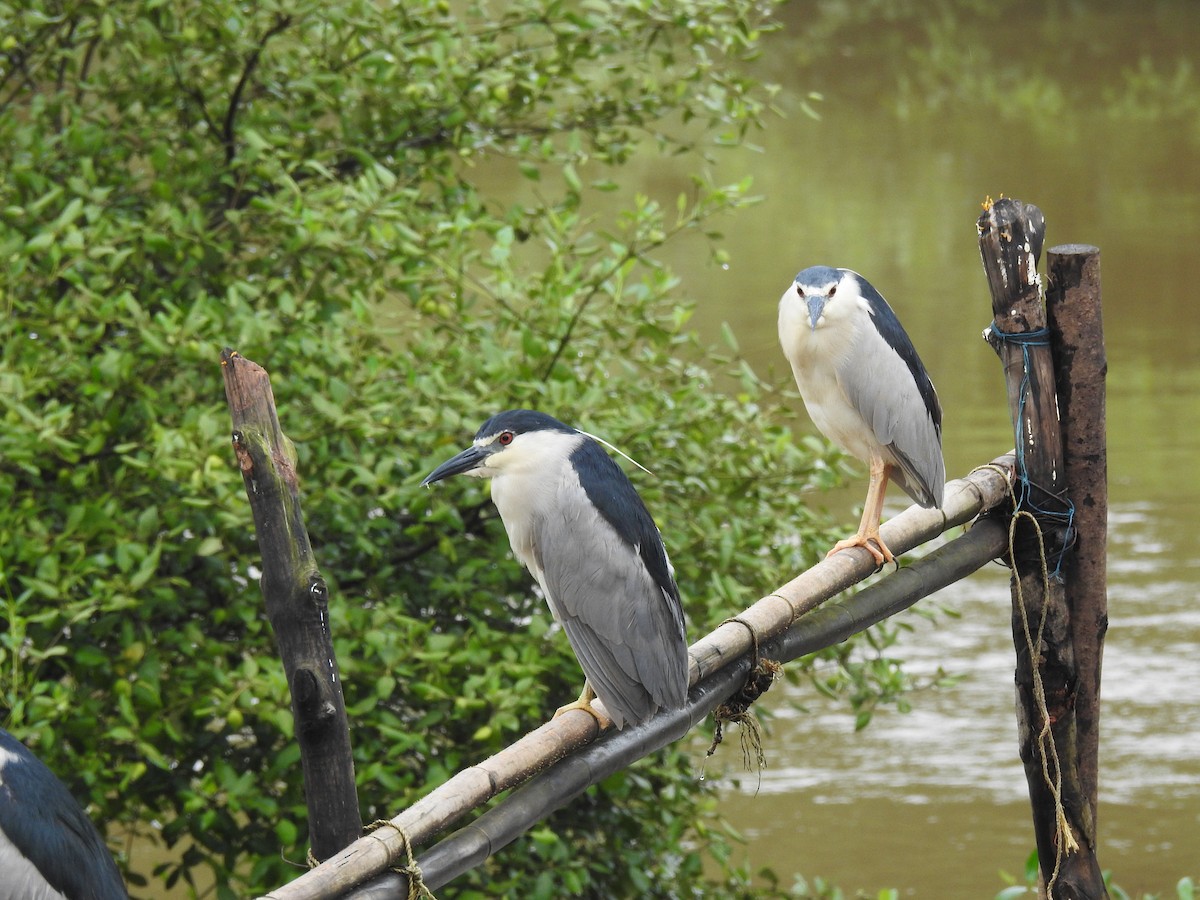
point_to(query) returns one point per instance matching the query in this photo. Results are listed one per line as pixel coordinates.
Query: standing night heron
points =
(49, 848)
(574, 520)
(865, 389)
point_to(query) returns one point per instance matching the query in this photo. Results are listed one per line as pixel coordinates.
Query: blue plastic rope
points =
(1066, 516)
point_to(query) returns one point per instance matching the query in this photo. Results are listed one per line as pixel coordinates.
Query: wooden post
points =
(297, 604)
(1077, 340)
(1011, 234)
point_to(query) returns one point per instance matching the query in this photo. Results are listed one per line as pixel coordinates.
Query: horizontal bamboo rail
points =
(821, 628)
(729, 645)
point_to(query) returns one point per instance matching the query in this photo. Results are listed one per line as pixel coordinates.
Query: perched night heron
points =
(49, 848)
(865, 388)
(574, 520)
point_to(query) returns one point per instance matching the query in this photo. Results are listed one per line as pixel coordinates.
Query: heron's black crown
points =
(819, 276)
(521, 421)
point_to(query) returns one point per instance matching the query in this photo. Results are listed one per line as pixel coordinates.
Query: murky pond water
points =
(934, 802)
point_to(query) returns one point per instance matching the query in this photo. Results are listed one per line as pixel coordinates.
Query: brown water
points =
(934, 802)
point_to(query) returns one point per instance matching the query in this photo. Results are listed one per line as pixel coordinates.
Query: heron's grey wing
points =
(627, 633)
(885, 381)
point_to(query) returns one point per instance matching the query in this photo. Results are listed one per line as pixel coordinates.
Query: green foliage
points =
(397, 210)
(1027, 883)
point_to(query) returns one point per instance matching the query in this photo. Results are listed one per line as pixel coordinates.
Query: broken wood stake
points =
(297, 604)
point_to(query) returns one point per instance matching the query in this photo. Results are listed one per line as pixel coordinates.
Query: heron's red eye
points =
(799, 292)
(505, 438)
(833, 290)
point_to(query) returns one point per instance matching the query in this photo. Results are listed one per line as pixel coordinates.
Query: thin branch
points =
(632, 252)
(61, 77)
(197, 97)
(20, 64)
(85, 68)
(228, 131)
(472, 518)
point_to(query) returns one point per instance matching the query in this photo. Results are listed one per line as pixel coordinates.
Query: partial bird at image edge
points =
(48, 845)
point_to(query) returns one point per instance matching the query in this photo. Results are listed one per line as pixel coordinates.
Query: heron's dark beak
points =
(816, 308)
(471, 458)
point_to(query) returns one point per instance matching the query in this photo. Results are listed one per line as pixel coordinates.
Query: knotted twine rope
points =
(411, 871)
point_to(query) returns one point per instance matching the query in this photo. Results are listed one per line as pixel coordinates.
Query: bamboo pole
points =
(297, 604)
(1077, 338)
(1010, 241)
(823, 627)
(731, 642)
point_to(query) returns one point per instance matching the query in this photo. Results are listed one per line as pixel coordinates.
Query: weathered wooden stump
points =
(297, 604)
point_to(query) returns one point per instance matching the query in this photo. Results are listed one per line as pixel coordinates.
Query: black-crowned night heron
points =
(48, 846)
(865, 388)
(574, 520)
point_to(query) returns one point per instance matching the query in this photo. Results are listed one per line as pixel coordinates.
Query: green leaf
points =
(286, 832)
(210, 546)
(40, 241)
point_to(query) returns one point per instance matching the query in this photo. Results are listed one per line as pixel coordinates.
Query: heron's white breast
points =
(529, 481)
(816, 356)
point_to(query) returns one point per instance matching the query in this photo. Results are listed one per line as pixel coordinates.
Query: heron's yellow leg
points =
(867, 535)
(585, 703)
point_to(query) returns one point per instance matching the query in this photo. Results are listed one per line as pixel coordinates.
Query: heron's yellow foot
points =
(868, 541)
(585, 703)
